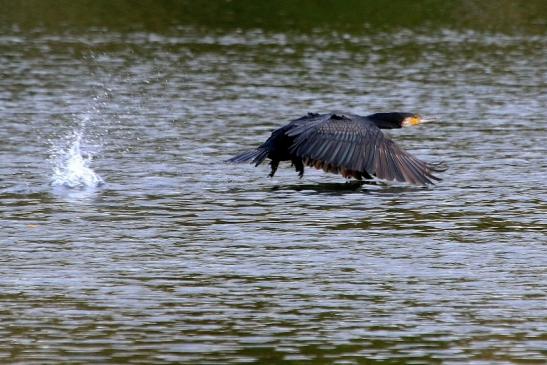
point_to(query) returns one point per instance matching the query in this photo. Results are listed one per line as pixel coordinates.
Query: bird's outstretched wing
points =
(355, 147)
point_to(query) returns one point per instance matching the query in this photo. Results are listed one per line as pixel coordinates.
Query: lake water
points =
(126, 239)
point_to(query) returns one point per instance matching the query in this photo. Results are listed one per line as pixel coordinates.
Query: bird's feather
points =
(352, 143)
(344, 143)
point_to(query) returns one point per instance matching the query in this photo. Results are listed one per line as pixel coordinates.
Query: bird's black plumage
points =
(344, 143)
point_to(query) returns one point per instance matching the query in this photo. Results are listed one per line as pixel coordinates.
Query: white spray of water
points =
(71, 167)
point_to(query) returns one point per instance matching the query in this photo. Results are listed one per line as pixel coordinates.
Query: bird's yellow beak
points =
(417, 119)
(410, 121)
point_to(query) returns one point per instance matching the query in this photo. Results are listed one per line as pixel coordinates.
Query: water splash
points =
(71, 167)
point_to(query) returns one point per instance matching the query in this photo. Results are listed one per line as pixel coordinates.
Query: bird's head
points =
(397, 120)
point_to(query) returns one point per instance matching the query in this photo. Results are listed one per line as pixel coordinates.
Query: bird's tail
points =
(253, 156)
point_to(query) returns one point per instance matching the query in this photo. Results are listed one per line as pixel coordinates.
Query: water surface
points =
(179, 258)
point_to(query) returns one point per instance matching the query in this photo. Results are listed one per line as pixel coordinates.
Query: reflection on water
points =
(180, 258)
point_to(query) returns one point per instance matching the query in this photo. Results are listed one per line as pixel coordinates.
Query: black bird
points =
(345, 143)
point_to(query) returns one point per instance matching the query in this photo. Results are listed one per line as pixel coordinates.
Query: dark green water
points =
(177, 258)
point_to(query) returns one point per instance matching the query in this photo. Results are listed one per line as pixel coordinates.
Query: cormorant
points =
(345, 143)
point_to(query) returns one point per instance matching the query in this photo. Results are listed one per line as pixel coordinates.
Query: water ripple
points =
(180, 258)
